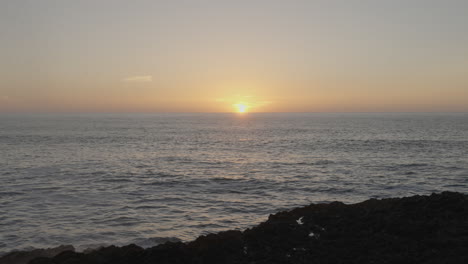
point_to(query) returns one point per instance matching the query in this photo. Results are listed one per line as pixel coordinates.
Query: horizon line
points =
(246, 113)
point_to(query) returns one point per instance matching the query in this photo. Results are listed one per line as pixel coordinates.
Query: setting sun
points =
(241, 108)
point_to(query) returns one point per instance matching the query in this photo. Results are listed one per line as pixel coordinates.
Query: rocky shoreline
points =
(417, 229)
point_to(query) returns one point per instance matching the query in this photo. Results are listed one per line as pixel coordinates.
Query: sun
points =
(241, 108)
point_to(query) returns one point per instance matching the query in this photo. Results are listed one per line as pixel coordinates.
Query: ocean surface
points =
(100, 179)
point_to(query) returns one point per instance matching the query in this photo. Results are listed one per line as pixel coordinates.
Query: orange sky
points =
(211, 56)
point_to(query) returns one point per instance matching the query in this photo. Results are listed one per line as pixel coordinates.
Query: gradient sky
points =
(208, 55)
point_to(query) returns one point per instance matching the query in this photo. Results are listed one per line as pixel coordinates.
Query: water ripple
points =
(98, 180)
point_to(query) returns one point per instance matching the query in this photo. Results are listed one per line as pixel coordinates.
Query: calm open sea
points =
(96, 179)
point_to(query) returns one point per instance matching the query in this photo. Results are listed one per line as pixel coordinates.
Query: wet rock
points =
(224, 247)
(417, 229)
(22, 257)
(111, 254)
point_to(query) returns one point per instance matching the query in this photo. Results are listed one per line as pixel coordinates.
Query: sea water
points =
(101, 179)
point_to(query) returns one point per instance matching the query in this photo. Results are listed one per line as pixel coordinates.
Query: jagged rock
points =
(21, 257)
(418, 229)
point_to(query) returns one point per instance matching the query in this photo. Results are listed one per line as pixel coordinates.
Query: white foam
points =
(300, 221)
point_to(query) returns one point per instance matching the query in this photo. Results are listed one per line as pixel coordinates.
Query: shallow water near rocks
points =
(99, 179)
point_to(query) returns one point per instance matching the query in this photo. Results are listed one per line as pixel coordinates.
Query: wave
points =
(32, 252)
(144, 242)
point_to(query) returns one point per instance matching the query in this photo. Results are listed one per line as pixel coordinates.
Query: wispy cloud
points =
(262, 103)
(140, 78)
(244, 101)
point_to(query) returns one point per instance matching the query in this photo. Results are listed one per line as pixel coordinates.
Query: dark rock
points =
(21, 257)
(418, 229)
(224, 247)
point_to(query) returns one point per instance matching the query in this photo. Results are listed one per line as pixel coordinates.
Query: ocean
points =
(100, 179)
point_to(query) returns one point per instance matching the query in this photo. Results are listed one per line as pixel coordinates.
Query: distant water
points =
(97, 179)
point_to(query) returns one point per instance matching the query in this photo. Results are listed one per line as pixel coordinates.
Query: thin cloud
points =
(250, 102)
(263, 103)
(140, 78)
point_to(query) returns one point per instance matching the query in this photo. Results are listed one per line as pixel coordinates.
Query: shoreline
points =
(416, 229)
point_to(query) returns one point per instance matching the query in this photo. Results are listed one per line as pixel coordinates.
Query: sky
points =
(217, 56)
